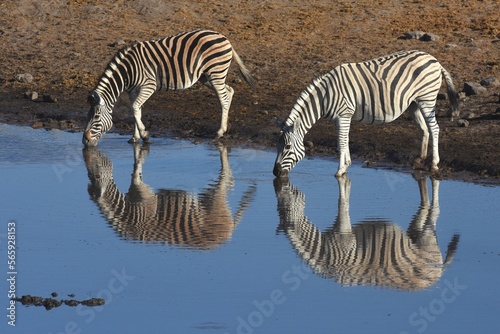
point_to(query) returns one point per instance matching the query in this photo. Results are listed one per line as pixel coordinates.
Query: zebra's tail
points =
(245, 73)
(452, 249)
(452, 95)
(244, 203)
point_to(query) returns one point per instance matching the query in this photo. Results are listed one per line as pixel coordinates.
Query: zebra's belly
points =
(171, 84)
(378, 116)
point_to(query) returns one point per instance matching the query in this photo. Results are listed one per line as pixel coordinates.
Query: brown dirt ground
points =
(66, 44)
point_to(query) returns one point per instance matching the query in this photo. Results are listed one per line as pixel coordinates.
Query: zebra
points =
(373, 92)
(170, 63)
(374, 252)
(200, 221)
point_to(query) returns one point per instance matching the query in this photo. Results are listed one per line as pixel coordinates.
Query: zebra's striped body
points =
(374, 92)
(373, 252)
(170, 216)
(171, 63)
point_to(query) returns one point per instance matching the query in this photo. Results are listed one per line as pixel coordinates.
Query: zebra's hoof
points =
(418, 164)
(132, 140)
(145, 136)
(434, 170)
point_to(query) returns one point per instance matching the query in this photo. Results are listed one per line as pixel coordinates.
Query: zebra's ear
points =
(279, 123)
(94, 99)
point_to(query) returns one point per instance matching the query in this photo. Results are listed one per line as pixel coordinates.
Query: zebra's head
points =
(99, 120)
(290, 150)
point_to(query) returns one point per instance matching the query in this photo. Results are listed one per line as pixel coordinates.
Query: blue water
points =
(251, 277)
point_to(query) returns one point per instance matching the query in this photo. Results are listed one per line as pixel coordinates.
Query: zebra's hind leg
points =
(426, 120)
(419, 161)
(225, 98)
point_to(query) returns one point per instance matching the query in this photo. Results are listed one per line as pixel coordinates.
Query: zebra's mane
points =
(115, 61)
(110, 84)
(303, 100)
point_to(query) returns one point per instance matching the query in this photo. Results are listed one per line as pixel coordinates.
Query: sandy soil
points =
(66, 44)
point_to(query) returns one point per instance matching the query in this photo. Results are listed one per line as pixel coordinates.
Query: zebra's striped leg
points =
(225, 97)
(138, 97)
(426, 120)
(424, 133)
(343, 224)
(343, 126)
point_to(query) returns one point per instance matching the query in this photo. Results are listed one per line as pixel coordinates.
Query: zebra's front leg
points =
(225, 99)
(343, 126)
(139, 128)
(138, 97)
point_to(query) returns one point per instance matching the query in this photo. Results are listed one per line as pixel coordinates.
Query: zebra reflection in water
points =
(175, 217)
(374, 252)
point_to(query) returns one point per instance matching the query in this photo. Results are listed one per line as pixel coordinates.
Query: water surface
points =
(186, 238)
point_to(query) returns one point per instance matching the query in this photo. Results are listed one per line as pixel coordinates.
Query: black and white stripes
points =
(373, 252)
(171, 63)
(201, 220)
(373, 92)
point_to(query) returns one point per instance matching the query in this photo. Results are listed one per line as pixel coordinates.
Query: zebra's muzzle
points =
(87, 139)
(278, 171)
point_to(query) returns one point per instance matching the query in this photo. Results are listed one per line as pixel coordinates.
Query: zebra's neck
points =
(114, 80)
(309, 108)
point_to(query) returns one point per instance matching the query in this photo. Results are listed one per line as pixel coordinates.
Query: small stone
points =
(470, 115)
(31, 95)
(24, 77)
(491, 81)
(428, 37)
(309, 144)
(451, 45)
(72, 302)
(442, 96)
(473, 88)
(37, 125)
(417, 34)
(118, 42)
(463, 123)
(49, 98)
(54, 294)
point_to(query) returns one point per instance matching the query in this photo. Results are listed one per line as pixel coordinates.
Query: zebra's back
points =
(177, 62)
(381, 89)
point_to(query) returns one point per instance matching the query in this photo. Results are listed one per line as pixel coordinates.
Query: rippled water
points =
(185, 238)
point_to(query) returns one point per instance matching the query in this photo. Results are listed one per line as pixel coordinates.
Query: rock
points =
(37, 125)
(473, 88)
(442, 96)
(463, 123)
(451, 45)
(31, 95)
(71, 302)
(49, 98)
(118, 42)
(491, 81)
(24, 77)
(470, 115)
(417, 34)
(428, 37)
